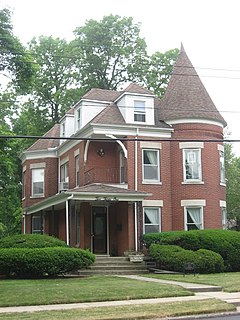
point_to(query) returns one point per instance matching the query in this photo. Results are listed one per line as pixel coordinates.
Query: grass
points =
(228, 281)
(145, 311)
(97, 288)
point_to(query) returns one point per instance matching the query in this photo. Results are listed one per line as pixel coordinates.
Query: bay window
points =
(193, 218)
(192, 165)
(38, 182)
(222, 167)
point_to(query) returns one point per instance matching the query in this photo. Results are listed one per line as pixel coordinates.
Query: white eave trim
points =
(38, 154)
(192, 120)
(92, 129)
(134, 94)
(84, 196)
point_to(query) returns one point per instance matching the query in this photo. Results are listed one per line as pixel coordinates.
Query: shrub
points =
(40, 262)
(172, 257)
(31, 241)
(224, 242)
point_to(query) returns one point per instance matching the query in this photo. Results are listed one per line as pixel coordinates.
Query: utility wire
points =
(132, 107)
(114, 139)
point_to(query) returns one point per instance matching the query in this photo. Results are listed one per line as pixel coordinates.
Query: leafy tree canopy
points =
(15, 62)
(110, 50)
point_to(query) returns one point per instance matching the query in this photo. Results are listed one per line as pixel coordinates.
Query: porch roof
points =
(93, 192)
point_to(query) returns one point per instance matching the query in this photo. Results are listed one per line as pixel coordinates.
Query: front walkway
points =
(202, 292)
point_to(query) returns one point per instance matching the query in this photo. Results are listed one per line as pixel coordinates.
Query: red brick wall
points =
(211, 190)
(50, 177)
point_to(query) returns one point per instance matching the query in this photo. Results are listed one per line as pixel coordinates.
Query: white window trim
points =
(224, 219)
(159, 214)
(37, 195)
(221, 155)
(65, 178)
(151, 181)
(185, 216)
(77, 173)
(192, 181)
(138, 112)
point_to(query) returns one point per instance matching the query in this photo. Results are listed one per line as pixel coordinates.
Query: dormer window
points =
(78, 118)
(139, 111)
(63, 129)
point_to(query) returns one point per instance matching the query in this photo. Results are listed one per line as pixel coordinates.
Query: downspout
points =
(67, 219)
(24, 223)
(136, 188)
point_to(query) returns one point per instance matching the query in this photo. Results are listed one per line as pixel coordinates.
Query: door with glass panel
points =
(99, 230)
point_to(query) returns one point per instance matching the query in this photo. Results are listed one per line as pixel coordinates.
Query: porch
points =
(106, 220)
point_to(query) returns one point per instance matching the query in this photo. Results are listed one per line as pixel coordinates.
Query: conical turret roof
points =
(186, 96)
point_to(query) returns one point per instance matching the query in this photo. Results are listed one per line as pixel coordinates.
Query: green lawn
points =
(230, 281)
(97, 288)
(146, 311)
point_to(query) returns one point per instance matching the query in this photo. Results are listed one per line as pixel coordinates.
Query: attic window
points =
(139, 111)
(63, 129)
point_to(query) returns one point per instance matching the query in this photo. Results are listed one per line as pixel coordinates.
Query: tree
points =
(111, 52)
(56, 84)
(15, 63)
(232, 166)
(10, 187)
(159, 71)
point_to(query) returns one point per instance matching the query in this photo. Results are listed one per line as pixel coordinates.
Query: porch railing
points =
(103, 175)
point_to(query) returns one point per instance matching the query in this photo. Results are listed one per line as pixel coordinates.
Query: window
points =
(37, 226)
(139, 111)
(63, 129)
(192, 165)
(78, 118)
(64, 172)
(224, 217)
(193, 218)
(151, 170)
(77, 170)
(38, 182)
(222, 167)
(24, 184)
(151, 220)
(122, 169)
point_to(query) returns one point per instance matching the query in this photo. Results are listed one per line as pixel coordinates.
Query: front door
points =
(99, 230)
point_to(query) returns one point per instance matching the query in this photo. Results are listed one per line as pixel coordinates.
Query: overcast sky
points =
(209, 30)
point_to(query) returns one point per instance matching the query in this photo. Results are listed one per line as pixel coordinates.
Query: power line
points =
(114, 139)
(132, 107)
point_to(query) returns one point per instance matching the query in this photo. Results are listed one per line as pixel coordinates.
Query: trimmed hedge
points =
(31, 241)
(172, 257)
(224, 242)
(42, 262)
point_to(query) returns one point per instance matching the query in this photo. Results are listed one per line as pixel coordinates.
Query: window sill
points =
(37, 196)
(193, 182)
(152, 182)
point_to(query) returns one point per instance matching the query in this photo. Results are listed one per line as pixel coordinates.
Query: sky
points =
(208, 29)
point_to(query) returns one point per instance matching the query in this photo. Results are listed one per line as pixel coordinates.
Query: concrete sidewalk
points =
(201, 292)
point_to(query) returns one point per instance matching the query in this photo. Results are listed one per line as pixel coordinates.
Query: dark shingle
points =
(101, 95)
(186, 96)
(44, 144)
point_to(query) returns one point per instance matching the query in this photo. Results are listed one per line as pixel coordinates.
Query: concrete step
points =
(114, 265)
(111, 272)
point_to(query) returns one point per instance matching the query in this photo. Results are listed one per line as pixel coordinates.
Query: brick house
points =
(134, 164)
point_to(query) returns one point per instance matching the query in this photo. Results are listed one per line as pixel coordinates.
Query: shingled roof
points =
(109, 115)
(44, 144)
(101, 95)
(135, 88)
(186, 96)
